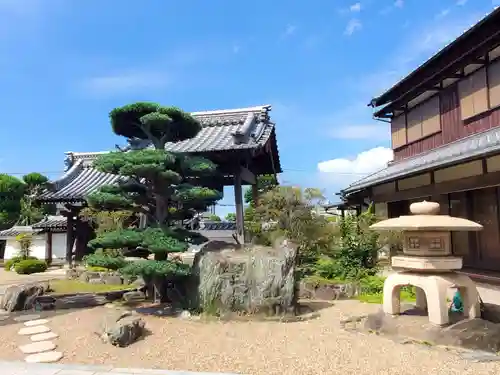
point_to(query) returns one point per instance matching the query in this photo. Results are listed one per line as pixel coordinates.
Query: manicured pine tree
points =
(165, 187)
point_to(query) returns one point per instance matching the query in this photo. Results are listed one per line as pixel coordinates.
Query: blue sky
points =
(64, 64)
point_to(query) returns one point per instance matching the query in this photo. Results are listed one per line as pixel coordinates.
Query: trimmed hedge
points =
(29, 266)
(14, 260)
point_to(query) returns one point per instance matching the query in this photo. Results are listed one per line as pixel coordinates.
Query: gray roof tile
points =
(236, 129)
(15, 231)
(51, 222)
(470, 147)
(79, 181)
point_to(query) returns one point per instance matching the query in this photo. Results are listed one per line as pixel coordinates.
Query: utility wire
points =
(284, 170)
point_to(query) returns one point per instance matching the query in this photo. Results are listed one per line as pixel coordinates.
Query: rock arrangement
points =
(121, 328)
(41, 349)
(93, 277)
(328, 291)
(21, 297)
(255, 279)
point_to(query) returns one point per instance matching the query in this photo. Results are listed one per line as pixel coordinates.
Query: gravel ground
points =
(11, 278)
(314, 347)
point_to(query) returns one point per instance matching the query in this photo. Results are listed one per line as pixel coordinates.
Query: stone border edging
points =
(14, 367)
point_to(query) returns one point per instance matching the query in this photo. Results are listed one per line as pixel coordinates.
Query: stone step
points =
(44, 336)
(37, 322)
(37, 347)
(46, 357)
(33, 330)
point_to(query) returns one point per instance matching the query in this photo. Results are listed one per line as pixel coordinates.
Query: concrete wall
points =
(38, 247)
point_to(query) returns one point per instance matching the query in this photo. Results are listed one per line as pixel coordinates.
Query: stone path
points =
(20, 368)
(40, 350)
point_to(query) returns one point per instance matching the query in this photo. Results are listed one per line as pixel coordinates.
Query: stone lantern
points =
(428, 264)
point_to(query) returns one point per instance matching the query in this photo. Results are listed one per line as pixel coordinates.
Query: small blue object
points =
(457, 304)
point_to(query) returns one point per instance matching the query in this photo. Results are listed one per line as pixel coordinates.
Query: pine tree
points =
(165, 187)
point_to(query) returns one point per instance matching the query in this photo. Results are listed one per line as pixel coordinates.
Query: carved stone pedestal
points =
(432, 291)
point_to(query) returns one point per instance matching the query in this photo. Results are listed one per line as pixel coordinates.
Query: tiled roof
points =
(235, 129)
(79, 181)
(51, 222)
(218, 225)
(470, 147)
(224, 130)
(15, 231)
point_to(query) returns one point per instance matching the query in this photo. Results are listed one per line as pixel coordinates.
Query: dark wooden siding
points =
(452, 126)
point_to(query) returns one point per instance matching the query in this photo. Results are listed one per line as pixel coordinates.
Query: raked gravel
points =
(307, 348)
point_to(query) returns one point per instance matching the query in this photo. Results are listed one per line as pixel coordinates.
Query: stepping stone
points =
(47, 357)
(4, 312)
(37, 322)
(25, 318)
(33, 330)
(44, 336)
(37, 347)
(4, 317)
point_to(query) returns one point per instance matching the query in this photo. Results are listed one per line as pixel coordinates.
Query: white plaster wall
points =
(58, 245)
(38, 247)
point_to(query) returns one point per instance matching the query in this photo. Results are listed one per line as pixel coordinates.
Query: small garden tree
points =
(231, 217)
(164, 187)
(31, 211)
(11, 192)
(288, 211)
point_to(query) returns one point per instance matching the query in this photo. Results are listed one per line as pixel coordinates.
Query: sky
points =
(64, 64)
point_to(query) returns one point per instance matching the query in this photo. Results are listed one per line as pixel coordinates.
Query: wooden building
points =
(242, 142)
(48, 239)
(445, 129)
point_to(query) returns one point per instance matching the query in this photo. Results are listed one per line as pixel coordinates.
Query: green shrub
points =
(97, 269)
(29, 266)
(14, 260)
(103, 260)
(372, 285)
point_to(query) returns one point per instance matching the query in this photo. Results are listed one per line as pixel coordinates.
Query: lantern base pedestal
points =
(432, 292)
(427, 264)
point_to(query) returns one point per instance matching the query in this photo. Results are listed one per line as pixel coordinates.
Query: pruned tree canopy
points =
(167, 188)
(159, 124)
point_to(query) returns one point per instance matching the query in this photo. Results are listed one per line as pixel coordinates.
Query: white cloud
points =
(289, 31)
(347, 170)
(126, 82)
(375, 132)
(355, 7)
(399, 3)
(352, 26)
(236, 48)
(443, 13)
(461, 2)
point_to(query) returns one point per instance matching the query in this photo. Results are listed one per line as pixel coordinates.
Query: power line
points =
(284, 170)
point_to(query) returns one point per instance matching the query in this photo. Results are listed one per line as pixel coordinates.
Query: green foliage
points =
(25, 241)
(106, 221)
(14, 260)
(118, 239)
(106, 261)
(11, 192)
(214, 217)
(231, 216)
(154, 268)
(163, 187)
(29, 266)
(31, 211)
(358, 245)
(152, 121)
(265, 183)
(288, 211)
(35, 180)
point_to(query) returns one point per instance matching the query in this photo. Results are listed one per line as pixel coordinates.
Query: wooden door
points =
(463, 243)
(485, 212)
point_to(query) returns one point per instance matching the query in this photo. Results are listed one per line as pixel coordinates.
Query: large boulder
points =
(250, 279)
(121, 328)
(21, 297)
